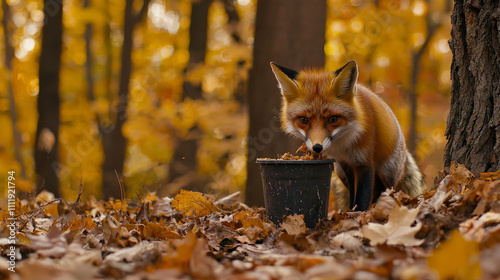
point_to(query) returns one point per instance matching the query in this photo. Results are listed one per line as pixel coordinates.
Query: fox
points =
(337, 116)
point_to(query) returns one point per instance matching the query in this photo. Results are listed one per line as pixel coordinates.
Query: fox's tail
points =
(413, 182)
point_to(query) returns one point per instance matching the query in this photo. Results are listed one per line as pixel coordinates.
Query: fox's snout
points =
(317, 145)
(318, 148)
(317, 138)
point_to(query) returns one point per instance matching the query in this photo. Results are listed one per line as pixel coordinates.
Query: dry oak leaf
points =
(460, 177)
(180, 258)
(44, 197)
(490, 176)
(229, 202)
(119, 205)
(478, 228)
(441, 195)
(249, 219)
(488, 194)
(50, 209)
(159, 231)
(151, 197)
(86, 223)
(456, 258)
(163, 207)
(193, 203)
(52, 244)
(397, 230)
(294, 224)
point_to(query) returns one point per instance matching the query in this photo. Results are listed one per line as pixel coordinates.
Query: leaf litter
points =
(450, 232)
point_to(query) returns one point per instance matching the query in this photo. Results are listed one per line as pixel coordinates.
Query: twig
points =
(36, 211)
(82, 188)
(122, 190)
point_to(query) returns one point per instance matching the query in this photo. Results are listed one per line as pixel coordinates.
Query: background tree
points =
(290, 33)
(183, 163)
(47, 132)
(114, 143)
(9, 55)
(183, 167)
(473, 129)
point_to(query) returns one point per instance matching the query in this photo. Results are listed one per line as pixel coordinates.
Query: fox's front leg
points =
(360, 181)
(364, 179)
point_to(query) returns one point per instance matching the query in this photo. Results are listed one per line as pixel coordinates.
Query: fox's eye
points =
(333, 119)
(303, 120)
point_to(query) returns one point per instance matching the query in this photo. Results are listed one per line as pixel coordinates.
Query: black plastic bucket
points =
(296, 187)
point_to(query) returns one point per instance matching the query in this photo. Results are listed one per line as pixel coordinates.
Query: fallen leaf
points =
(119, 205)
(456, 258)
(488, 193)
(127, 260)
(32, 269)
(180, 258)
(249, 219)
(329, 268)
(384, 205)
(440, 196)
(151, 196)
(490, 176)
(163, 207)
(459, 176)
(348, 242)
(230, 202)
(203, 266)
(159, 231)
(397, 230)
(50, 209)
(294, 224)
(52, 244)
(475, 229)
(44, 197)
(193, 203)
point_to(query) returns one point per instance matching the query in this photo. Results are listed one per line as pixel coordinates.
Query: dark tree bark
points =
(473, 129)
(9, 55)
(114, 143)
(47, 133)
(290, 33)
(88, 51)
(108, 74)
(183, 163)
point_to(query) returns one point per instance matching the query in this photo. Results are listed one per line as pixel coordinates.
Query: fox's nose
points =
(317, 148)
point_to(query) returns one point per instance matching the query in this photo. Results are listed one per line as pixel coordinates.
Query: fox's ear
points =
(286, 78)
(344, 85)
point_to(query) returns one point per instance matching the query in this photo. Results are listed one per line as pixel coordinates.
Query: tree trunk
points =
(473, 129)
(114, 143)
(88, 52)
(183, 163)
(47, 133)
(290, 33)
(9, 55)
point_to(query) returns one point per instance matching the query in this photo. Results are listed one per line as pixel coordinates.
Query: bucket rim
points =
(292, 162)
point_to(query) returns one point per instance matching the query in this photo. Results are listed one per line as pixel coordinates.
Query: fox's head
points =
(319, 106)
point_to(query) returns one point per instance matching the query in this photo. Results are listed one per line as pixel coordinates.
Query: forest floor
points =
(451, 232)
